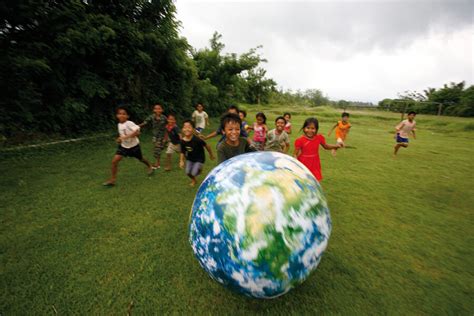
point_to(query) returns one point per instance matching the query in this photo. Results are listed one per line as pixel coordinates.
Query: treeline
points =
(66, 65)
(452, 99)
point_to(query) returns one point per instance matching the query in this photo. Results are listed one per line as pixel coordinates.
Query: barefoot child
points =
(174, 140)
(158, 122)
(192, 151)
(403, 129)
(259, 131)
(287, 117)
(233, 144)
(342, 129)
(200, 118)
(307, 147)
(277, 138)
(129, 145)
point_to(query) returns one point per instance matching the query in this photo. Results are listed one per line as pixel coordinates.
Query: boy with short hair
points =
(158, 122)
(233, 144)
(342, 129)
(219, 131)
(277, 138)
(129, 145)
(174, 140)
(192, 151)
(200, 118)
(403, 130)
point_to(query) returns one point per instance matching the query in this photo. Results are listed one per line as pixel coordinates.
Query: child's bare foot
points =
(168, 169)
(108, 183)
(155, 166)
(193, 183)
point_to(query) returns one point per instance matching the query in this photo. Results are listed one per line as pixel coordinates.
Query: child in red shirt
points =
(307, 147)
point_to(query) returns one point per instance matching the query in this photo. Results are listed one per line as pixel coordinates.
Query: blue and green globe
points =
(260, 224)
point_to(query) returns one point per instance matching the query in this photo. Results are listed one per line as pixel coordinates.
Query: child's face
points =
(232, 131)
(157, 109)
(199, 108)
(241, 115)
(411, 117)
(259, 120)
(121, 116)
(345, 118)
(310, 130)
(187, 129)
(280, 125)
(171, 120)
(287, 117)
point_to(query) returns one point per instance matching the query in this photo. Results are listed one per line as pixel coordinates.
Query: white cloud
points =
(350, 50)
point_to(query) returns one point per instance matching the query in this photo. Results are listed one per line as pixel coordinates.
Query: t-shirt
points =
(276, 142)
(406, 127)
(287, 127)
(342, 130)
(127, 128)
(200, 119)
(193, 149)
(158, 125)
(173, 134)
(226, 151)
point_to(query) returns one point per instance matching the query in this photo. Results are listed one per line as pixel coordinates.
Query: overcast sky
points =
(353, 50)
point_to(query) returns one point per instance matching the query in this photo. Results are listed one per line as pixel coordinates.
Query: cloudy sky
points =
(353, 50)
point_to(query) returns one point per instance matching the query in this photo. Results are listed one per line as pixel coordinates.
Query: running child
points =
(220, 132)
(403, 130)
(158, 122)
(342, 129)
(287, 117)
(307, 147)
(259, 131)
(277, 138)
(233, 144)
(174, 140)
(243, 115)
(200, 118)
(129, 145)
(192, 152)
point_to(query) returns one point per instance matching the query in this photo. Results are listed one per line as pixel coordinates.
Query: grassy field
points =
(402, 239)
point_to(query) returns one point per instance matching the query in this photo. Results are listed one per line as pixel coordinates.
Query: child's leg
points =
(168, 162)
(115, 162)
(158, 147)
(397, 147)
(189, 168)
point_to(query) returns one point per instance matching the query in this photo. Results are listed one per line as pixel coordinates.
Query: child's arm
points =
(335, 125)
(287, 147)
(414, 135)
(206, 122)
(399, 126)
(330, 146)
(209, 150)
(296, 152)
(134, 134)
(181, 160)
(213, 134)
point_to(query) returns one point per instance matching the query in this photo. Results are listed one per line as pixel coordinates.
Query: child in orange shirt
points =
(342, 129)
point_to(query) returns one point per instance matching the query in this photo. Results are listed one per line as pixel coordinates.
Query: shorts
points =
(134, 152)
(173, 148)
(193, 168)
(158, 145)
(199, 129)
(258, 145)
(401, 139)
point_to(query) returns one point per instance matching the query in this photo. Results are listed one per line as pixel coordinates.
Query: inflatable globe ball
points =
(260, 224)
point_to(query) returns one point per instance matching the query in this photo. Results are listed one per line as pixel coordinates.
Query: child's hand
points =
(118, 140)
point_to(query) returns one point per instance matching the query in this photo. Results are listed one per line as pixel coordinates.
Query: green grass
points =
(402, 239)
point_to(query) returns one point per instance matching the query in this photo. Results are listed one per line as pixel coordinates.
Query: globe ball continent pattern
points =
(260, 224)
